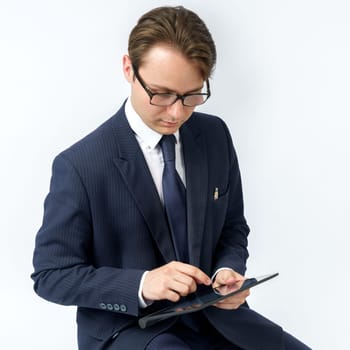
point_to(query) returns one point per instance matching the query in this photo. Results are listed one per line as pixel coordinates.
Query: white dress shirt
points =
(148, 140)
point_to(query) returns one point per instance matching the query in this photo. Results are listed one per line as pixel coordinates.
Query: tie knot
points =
(167, 144)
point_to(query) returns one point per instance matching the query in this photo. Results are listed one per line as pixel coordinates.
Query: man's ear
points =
(127, 68)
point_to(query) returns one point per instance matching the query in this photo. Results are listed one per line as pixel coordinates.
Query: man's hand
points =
(172, 281)
(227, 281)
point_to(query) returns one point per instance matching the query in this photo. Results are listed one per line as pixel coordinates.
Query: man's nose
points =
(176, 110)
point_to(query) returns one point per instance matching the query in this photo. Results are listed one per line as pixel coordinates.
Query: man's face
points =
(164, 70)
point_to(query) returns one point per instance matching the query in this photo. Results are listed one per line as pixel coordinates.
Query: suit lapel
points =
(195, 159)
(135, 172)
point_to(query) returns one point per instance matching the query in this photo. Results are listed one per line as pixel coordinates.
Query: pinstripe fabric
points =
(104, 225)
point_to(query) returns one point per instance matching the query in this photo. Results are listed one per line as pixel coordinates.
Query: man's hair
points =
(177, 27)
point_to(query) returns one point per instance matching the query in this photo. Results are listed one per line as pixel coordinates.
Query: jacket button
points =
(123, 308)
(103, 306)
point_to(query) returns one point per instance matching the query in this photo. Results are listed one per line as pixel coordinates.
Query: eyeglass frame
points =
(178, 96)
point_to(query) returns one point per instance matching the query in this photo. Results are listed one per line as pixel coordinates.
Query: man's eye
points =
(165, 93)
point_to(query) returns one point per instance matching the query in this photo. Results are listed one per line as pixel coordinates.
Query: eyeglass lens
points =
(169, 99)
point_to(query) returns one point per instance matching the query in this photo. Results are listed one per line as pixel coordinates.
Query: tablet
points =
(202, 298)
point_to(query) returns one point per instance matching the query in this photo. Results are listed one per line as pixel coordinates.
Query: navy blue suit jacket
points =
(104, 225)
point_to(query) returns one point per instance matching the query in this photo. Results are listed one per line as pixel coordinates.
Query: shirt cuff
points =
(218, 270)
(142, 302)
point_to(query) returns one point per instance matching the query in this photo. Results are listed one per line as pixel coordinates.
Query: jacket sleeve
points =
(63, 270)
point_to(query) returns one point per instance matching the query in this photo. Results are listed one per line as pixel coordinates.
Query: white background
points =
(281, 84)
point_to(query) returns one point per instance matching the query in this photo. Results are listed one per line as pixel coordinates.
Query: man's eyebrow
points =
(159, 87)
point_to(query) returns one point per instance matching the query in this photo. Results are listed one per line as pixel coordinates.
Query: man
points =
(110, 243)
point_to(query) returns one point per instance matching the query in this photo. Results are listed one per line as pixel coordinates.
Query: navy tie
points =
(174, 198)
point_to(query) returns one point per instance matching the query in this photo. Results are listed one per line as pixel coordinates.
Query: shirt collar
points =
(150, 137)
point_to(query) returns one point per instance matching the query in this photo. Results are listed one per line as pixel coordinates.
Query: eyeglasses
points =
(164, 99)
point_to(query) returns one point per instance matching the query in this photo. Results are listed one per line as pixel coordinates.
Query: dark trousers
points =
(195, 332)
(188, 341)
(183, 336)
